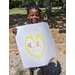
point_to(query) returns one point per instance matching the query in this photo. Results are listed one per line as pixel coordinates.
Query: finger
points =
(15, 32)
(15, 28)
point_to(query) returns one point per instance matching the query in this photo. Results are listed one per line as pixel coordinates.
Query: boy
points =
(33, 13)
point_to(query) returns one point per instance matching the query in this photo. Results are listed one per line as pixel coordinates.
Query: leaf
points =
(17, 64)
(17, 53)
(60, 42)
(9, 51)
(11, 61)
(64, 52)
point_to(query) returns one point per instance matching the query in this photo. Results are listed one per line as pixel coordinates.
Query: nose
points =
(34, 16)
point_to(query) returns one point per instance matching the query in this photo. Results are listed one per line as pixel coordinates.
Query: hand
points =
(14, 30)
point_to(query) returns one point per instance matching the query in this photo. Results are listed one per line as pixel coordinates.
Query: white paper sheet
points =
(36, 44)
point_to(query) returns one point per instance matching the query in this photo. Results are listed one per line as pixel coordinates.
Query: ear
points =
(28, 16)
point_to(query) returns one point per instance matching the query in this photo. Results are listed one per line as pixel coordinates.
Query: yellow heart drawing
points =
(38, 36)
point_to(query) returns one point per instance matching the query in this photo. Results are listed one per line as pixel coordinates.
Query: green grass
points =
(17, 11)
(56, 8)
(23, 11)
(58, 11)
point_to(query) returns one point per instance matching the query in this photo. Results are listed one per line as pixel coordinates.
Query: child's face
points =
(34, 15)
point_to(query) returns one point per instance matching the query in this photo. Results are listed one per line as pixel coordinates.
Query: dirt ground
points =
(57, 26)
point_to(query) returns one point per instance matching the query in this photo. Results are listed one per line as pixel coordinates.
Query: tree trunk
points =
(48, 10)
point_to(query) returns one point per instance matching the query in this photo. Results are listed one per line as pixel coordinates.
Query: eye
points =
(31, 15)
(37, 15)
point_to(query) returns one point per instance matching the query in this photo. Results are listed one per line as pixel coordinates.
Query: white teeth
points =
(34, 20)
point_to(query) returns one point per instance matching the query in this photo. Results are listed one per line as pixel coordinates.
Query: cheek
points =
(31, 17)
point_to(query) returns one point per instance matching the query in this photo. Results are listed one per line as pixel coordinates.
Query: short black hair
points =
(33, 6)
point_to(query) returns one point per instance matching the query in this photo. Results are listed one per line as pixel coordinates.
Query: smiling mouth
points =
(35, 20)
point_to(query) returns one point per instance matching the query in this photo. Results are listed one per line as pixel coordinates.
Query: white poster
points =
(36, 44)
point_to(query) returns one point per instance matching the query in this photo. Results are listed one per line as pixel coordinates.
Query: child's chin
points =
(35, 22)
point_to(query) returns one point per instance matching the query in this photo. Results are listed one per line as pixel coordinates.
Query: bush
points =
(15, 3)
(42, 5)
(53, 4)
